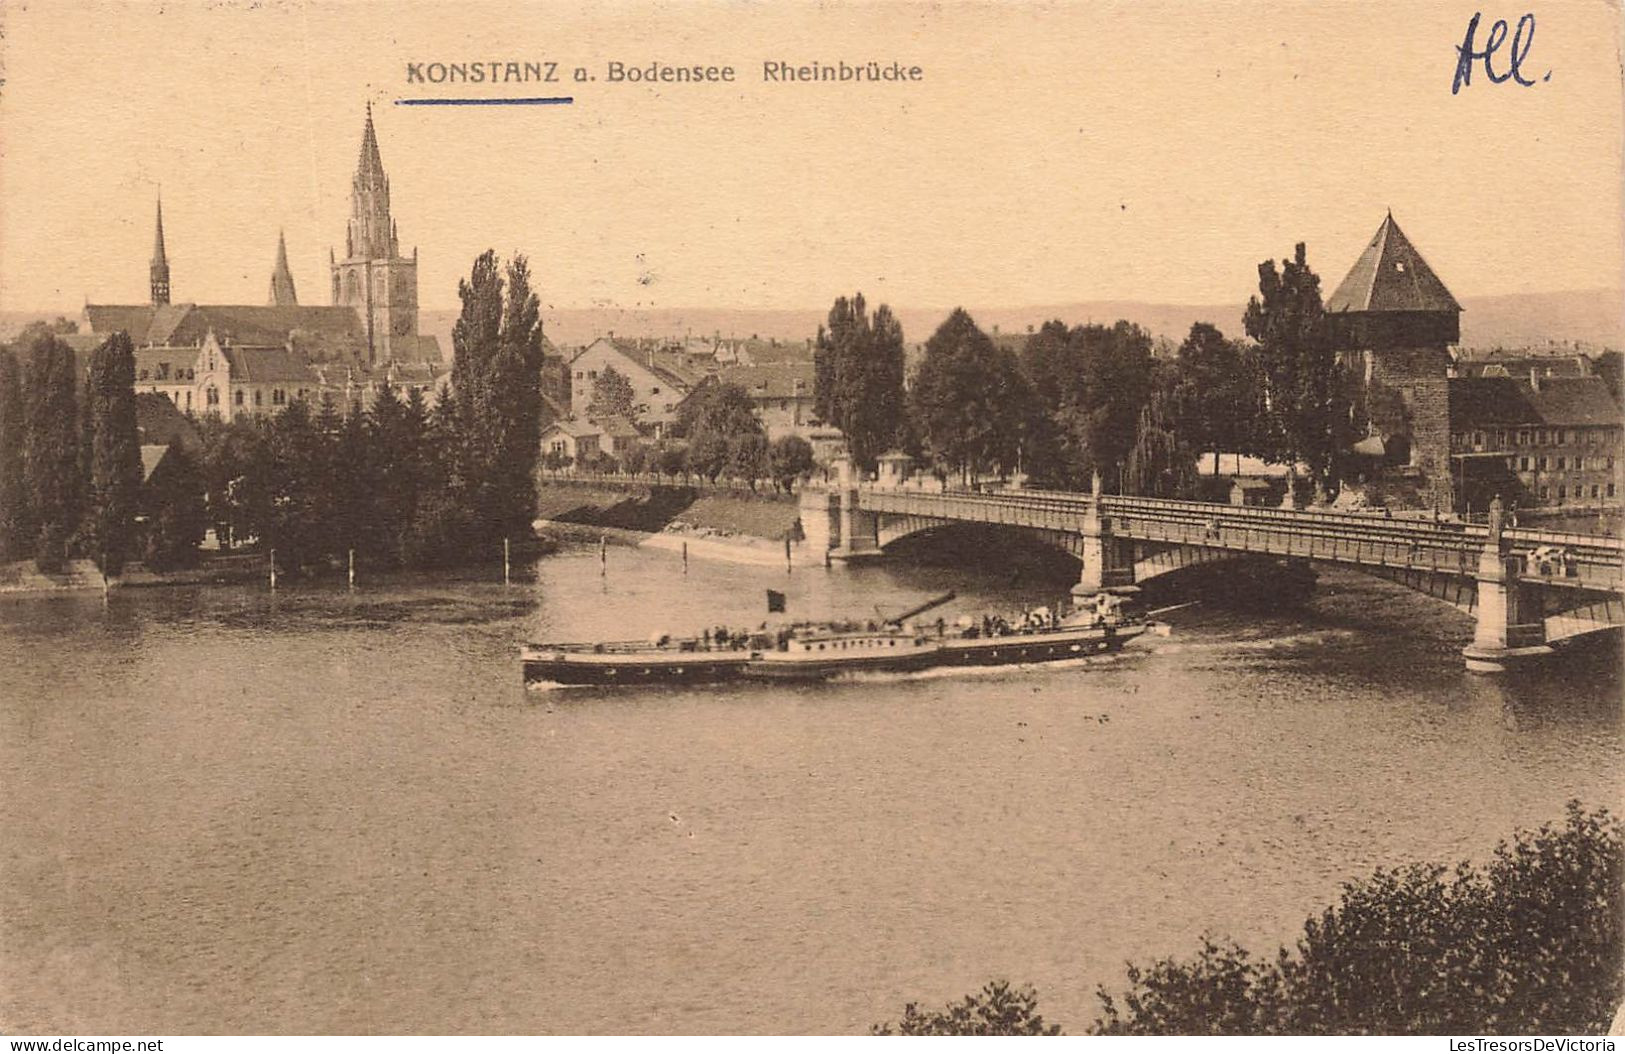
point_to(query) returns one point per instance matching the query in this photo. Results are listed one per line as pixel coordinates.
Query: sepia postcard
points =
(728, 518)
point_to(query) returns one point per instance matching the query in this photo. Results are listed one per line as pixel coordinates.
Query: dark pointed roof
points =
(159, 259)
(1391, 276)
(282, 291)
(371, 165)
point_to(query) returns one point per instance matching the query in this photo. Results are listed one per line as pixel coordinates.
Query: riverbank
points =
(729, 526)
(730, 548)
(21, 578)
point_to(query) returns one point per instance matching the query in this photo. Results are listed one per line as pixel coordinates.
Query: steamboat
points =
(813, 651)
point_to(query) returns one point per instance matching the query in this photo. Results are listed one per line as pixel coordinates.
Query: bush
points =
(997, 1010)
(1529, 943)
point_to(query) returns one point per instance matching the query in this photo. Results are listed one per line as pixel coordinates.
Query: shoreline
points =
(735, 549)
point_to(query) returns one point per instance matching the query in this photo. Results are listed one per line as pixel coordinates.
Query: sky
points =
(1052, 152)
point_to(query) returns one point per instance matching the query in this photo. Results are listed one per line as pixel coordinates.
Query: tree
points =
(723, 432)
(51, 451)
(997, 1010)
(1091, 384)
(748, 457)
(1162, 462)
(496, 375)
(16, 530)
(173, 510)
(1116, 386)
(1527, 944)
(790, 459)
(115, 460)
(613, 395)
(858, 377)
(1307, 416)
(970, 401)
(1220, 394)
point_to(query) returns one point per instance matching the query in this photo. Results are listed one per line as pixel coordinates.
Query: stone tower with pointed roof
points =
(158, 270)
(373, 277)
(282, 293)
(1394, 315)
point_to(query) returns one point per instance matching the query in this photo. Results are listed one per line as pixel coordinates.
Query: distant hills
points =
(1592, 319)
(1585, 319)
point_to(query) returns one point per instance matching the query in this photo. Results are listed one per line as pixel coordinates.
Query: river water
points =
(227, 811)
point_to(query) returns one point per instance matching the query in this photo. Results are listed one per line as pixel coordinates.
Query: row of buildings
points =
(778, 379)
(1540, 430)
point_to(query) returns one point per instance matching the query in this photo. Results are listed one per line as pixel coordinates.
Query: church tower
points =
(373, 277)
(1396, 315)
(158, 271)
(282, 294)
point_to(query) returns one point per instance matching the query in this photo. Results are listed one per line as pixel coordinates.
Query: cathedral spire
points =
(158, 270)
(282, 293)
(370, 168)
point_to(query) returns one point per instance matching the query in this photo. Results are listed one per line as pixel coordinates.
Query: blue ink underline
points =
(535, 100)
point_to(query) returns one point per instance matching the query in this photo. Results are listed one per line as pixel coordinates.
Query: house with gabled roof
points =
(660, 377)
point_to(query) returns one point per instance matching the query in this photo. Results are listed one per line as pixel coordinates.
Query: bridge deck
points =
(1338, 537)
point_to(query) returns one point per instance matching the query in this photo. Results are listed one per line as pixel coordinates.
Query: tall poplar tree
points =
(51, 451)
(858, 377)
(16, 531)
(115, 455)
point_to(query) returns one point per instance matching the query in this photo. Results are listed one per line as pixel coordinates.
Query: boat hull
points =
(544, 667)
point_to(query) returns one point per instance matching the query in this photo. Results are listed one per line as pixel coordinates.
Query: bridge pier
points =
(1108, 562)
(1511, 628)
(857, 530)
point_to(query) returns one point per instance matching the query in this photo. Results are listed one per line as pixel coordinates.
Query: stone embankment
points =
(717, 523)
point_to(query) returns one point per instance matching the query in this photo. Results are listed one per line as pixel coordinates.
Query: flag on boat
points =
(775, 600)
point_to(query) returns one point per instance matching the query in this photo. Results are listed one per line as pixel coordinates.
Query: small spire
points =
(158, 270)
(158, 256)
(282, 292)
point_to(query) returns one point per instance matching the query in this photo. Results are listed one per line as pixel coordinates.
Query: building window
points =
(1594, 490)
(1560, 464)
(1523, 464)
(212, 396)
(1562, 493)
(238, 399)
(1540, 463)
(188, 400)
(1544, 493)
(655, 390)
(259, 397)
(143, 375)
(1610, 490)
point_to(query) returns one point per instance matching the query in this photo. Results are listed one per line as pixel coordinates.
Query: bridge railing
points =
(1338, 536)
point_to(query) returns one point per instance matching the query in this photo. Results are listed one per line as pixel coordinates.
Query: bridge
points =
(1522, 606)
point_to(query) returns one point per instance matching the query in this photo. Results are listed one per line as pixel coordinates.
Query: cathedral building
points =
(372, 323)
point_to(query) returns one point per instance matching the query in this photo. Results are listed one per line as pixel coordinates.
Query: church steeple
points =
(282, 293)
(372, 276)
(158, 271)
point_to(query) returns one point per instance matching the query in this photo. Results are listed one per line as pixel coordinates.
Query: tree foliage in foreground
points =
(997, 1010)
(1528, 943)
